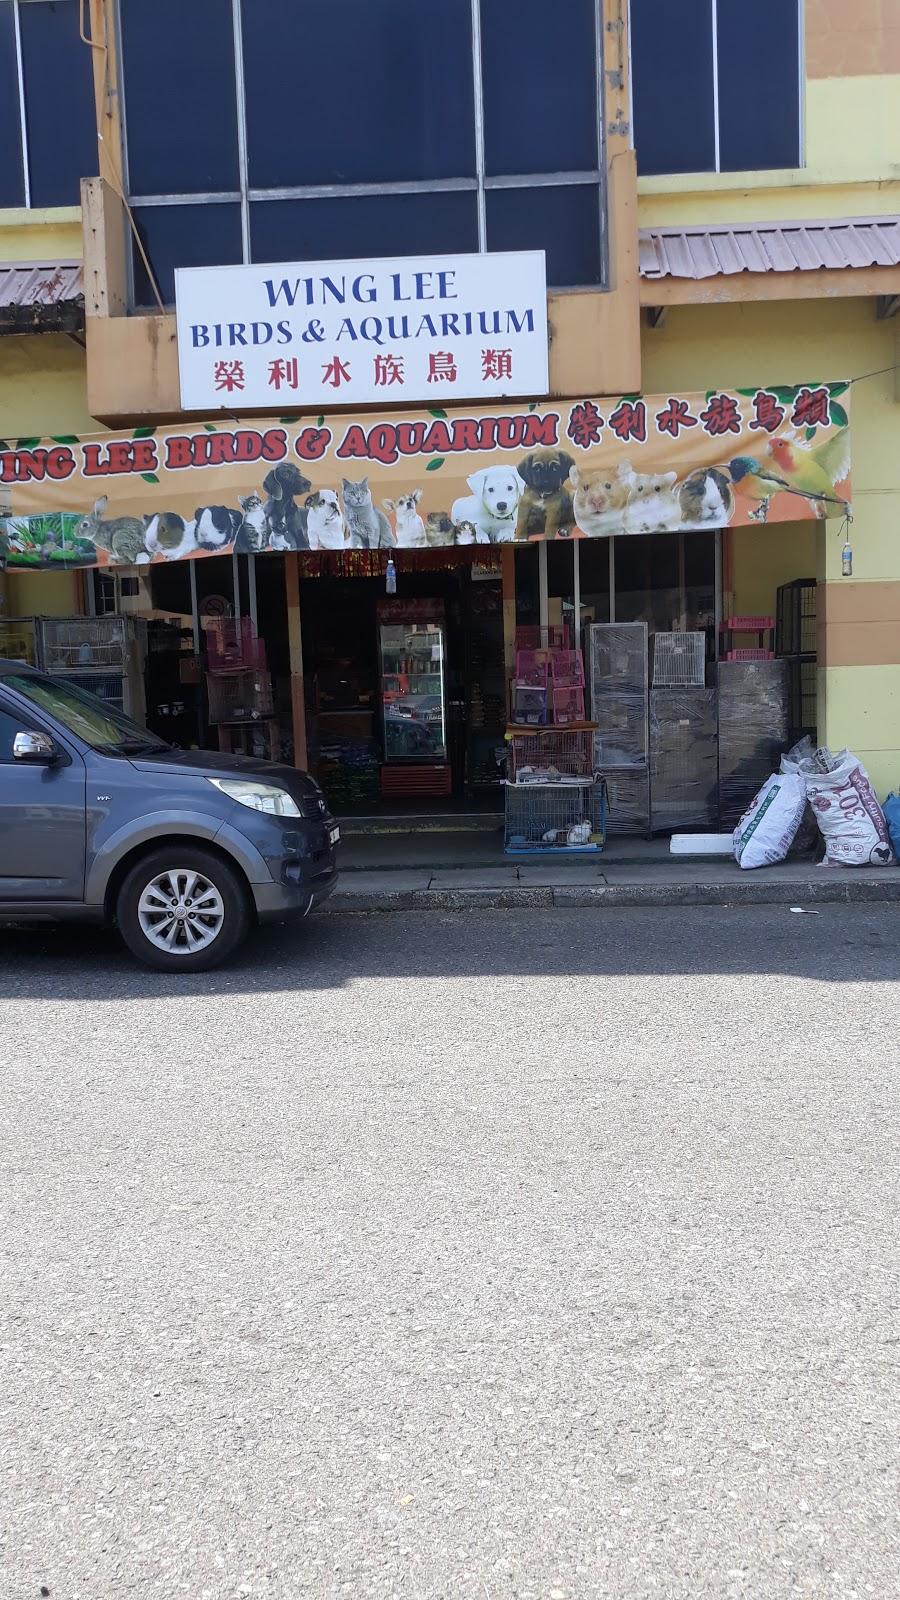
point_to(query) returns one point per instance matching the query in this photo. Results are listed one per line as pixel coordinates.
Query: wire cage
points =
(679, 660)
(802, 699)
(73, 644)
(555, 637)
(18, 639)
(568, 705)
(107, 686)
(552, 750)
(532, 668)
(529, 705)
(239, 696)
(567, 669)
(568, 817)
(232, 646)
(795, 626)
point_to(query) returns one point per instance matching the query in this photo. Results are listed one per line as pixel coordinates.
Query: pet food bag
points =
(891, 810)
(767, 829)
(850, 819)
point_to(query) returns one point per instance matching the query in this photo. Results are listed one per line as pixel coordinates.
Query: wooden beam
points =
(295, 642)
(826, 283)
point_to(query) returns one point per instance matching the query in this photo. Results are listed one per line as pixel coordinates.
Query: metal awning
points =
(730, 248)
(41, 297)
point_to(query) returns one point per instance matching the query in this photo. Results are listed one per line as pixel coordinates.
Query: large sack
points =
(850, 819)
(892, 818)
(766, 831)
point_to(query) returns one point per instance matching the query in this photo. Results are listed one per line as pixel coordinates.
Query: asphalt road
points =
(505, 1254)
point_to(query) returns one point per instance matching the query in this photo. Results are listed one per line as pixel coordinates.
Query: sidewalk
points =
(410, 871)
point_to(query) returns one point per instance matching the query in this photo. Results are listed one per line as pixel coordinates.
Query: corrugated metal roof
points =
(711, 252)
(40, 283)
(41, 297)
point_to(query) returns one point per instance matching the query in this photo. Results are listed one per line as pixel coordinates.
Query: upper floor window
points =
(716, 85)
(311, 129)
(47, 122)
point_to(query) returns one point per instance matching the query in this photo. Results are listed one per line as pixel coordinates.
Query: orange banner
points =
(421, 479)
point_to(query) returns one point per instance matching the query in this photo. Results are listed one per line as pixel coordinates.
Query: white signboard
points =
(432, 329)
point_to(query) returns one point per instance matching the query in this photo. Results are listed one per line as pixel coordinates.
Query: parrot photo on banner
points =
(792, 468)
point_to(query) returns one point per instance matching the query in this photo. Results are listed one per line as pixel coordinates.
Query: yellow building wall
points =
(741, 345)
(43, 390)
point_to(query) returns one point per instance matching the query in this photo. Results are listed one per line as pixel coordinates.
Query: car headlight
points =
(258, 796)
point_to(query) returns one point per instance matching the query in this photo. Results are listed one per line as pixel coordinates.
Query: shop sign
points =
(625, 466)
(429, 329)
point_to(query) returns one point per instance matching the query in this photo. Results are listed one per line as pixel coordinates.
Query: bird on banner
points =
(815, 472)
(794, 469)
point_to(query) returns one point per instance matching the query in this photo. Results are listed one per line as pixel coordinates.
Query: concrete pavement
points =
(534, 1257)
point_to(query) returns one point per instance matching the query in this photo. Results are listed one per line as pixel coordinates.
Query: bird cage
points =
(78, 644)
(18, 640)
(679, 660)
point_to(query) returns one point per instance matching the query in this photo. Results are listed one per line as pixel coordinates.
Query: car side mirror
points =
(35, 747)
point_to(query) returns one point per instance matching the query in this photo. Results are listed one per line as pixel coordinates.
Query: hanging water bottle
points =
(391, 576)
(847, 560)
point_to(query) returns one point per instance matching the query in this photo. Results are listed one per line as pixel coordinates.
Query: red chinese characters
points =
(811, 408)
(336, 372)
(441, 367)
(229, 376)
(629, 420)
(722, 415)
(496, 364)
(585, 425)
(388, 371)
(284, 374)
(769, 414)
(675, 416)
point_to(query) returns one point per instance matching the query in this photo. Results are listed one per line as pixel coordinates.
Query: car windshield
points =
(88, 717)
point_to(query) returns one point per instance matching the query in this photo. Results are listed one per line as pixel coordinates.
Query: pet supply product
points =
(850, 819)
(892, 818)
(767, 829)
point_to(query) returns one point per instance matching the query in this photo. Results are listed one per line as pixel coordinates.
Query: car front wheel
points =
(183, 910)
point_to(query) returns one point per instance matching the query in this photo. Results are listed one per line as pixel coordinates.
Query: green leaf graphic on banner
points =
(786, 396)
(438, 461)
(839, 417)
(320, 422)
(749, 393)
(210, 427)
(834, 389)
(142, 433)
(26, 444)
(65, 438)
(149, 477)
(810, 433)
(532, 405)
(710, 393)
(438, 413)
(289, 421)
(4, 445)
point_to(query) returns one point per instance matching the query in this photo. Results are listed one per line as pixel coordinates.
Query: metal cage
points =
(558, 817)
(79, 644)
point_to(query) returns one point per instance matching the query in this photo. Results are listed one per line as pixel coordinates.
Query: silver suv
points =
(183, 849)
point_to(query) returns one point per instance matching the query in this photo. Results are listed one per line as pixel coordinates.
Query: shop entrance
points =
(404, 692)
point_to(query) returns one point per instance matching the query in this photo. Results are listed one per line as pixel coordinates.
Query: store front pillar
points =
(295, 637)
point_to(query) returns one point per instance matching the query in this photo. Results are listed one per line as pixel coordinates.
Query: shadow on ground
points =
(836, 944)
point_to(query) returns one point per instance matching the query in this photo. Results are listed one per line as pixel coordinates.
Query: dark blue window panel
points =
(563, 221)
(184, 236)
(353, 91)
(759, 84)
(672, 84)
(59, 102)
(180, 100)
(12, 184)
(541, 91)
(364, 227)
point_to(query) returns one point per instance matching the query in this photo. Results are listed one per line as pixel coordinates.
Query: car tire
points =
(183, 909)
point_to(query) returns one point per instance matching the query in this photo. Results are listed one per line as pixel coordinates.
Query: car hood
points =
(213, 764)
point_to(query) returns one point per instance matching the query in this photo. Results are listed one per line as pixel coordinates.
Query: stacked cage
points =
(795, 643)
(19, 640)
(754, 731)
(684, 759)
(567, 816)
(618, 679)
(103, 655)
(238, 686)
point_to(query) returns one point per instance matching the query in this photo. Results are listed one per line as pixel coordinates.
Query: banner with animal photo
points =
(625, 466)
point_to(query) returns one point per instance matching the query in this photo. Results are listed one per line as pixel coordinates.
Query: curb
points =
(734, 893)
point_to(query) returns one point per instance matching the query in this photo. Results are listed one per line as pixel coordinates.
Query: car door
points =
(42, 818)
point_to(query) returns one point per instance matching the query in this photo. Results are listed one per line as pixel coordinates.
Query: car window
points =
(11, 723)
(84, 715)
